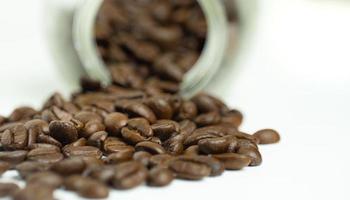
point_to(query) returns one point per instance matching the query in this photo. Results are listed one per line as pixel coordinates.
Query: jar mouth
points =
(194, 80)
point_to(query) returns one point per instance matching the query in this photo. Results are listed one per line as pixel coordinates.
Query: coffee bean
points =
(253, 154)
(188, 110)
(115, 121)
(34, 191)
(119, 157)
(215, 165)
(131, 136)
(48, 140)
(64, 132)
(8, 189)
(175, 145)
(137, 110)
(233, 161)
(114, 145)
(214, 145)
(69, 166)
(192, 150)
(4, 166)
(189, 169)
(205, 103)
(28, 168)
(22, 113)
(87, 151)
(142, 157)
(207, 119)
(161, 108)
(164, 129)
(159, 177)
(15, 138)
(13, 157)
(45, 155)
(267, 136)
(86, 187)
(48, 179)
(129, 175)
(141, 125)
(234, 117)
(150, 147)
(78, 143)
(86, 116)
(97, 139)
(160, 160)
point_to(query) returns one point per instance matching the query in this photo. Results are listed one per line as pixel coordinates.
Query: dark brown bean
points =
(45, 155)
(253, 154)
(164, 129)
(13, 157)
(150, 147)
(119, 157)
(86, 187)
(233, 161)
(214, 145)
(129, 175)
(267, 136)
(87, 151)
(141, 125)
(63, 131)
(48, 179)
(22, 113)
(142, 157)
(97, 139)
(207, 119)
(160, 160)
(115, 121)
(188, 169)
(28, 168)
(34, 191)
(159, 177)
(69, 166)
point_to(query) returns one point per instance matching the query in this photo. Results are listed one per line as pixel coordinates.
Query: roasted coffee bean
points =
(97, 139)
(8, 189)
(203, 133)
(188, 110)
(39, 124)
(160, 160)
(28, 168)
(192, 150)
(115, 121)
(159, 177)
(175, 145)
(142, 157)
(78, 143)
(103, 173)
(129, 175)
(267, 136)
(48, 179)
(45, 155)
(214, 145)
(150, 147)
(207, 119)
(253, 154)
(92, 127)
(87, 151)
(234, 117)
(4, 166)
(137, 109)
(141, 125)
(205, 103)
(119, 157)
(131, 136)
(35, 192)
(86, 116)
(86, 187)
(215, 165)
(63, 131)
(246, 136)
(233, 161)
(69, 166)
(15, 138)
(13, 157)
(161, 108)
(243, 143)
(164, 129)
(113, 145)
(187, 127)
(189, 169)
(22, 113)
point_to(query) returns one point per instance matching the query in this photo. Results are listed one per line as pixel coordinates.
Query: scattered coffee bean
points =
(150, 147)
(159, 177)
(86, 187)
(129, 175)
(64, 132)
(48, 179)
(267, 136)
(233, 161)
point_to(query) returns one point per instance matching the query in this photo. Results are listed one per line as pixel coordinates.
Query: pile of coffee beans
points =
(152, 43)
(137, 130)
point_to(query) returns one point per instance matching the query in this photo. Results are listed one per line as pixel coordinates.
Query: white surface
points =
(295, 78)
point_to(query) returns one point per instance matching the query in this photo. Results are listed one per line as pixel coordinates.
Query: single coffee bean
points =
(87, 151)
(243, 143)
(233, 161)
(69, 166)
(267, 136)
(35, 191)
(48, 179)
(234, 117)
(187, 127)
(159, 177)
(150, 147)
(44, 145)
(141, 125)
(129, 175)
(131, 136)
(13, 157)
(214, 145)
(175, 145)
(142, 157)
(115, 121)
(160, 160)
(205, 103)
(87, 116)
(253, 154)
(86, 187)
(217, 168)
(188, 110)
(22, 113)
(97, 139)
(138, 110)
(4, 166)
(78, 143)
(28, 168)
(207, 119)
(119, 157)
(114, 145)
(45, 155)
(92, 127)
(8, 189)
(48, 140)
(192, 150)
(188, 169)
(63, 131)
(161, 108)
(164, 129)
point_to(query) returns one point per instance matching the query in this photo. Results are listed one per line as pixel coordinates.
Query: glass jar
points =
(81, 55)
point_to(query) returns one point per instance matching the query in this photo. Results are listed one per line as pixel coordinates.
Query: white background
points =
(295, 77)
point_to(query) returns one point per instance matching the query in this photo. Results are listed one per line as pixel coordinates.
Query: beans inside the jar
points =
(137, 130)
